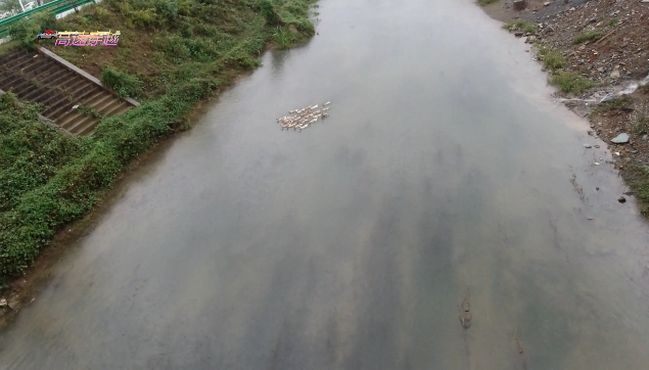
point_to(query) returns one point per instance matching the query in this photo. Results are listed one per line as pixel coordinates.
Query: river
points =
(445, 173)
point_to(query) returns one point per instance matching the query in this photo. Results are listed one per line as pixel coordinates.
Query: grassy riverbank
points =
(172, 55)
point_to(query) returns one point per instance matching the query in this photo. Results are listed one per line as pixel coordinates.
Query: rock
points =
(616, 73)
(587, 146)
(3, 303)
(546, 3)
(520, 4)
(621, 199)
(622, 138)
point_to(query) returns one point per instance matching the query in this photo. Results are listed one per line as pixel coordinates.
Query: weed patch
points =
(588, 36)
(521, 25)
(552, 59)
(637, 177)
(123, 84)
(622, 103)
(641, 124)
(570, 82)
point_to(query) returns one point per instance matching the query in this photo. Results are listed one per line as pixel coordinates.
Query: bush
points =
(122, 83)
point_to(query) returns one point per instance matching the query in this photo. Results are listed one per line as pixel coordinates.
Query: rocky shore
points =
(597, 54)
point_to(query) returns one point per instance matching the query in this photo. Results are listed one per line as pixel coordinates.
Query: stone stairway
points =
(70, 98)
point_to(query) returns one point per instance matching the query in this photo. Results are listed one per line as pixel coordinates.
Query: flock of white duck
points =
(299, 119)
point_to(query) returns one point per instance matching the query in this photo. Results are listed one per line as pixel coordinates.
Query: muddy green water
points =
(445, 172)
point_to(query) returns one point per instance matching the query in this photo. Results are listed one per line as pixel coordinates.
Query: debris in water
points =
(299, 119)
(621, 199)
(587, 146)
(465, 313)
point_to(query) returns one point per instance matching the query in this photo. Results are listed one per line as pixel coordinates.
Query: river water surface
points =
(445, 173)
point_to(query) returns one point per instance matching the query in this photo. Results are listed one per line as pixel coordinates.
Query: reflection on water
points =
(444, 172)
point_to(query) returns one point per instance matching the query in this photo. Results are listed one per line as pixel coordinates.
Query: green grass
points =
(587, 36)
(570, 82)
(552, 59)
(172, 55)
(636, 176)
(641, 124)
(521, 25)
(122, 83)
(283, 38)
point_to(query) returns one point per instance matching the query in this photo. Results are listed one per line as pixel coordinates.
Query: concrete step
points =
(23, 63)
(70, 118)
(15, 64)
(98, 101)
(88, 129)
(116, 109)
(53, 83)
(83, 124)
(109, 103)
